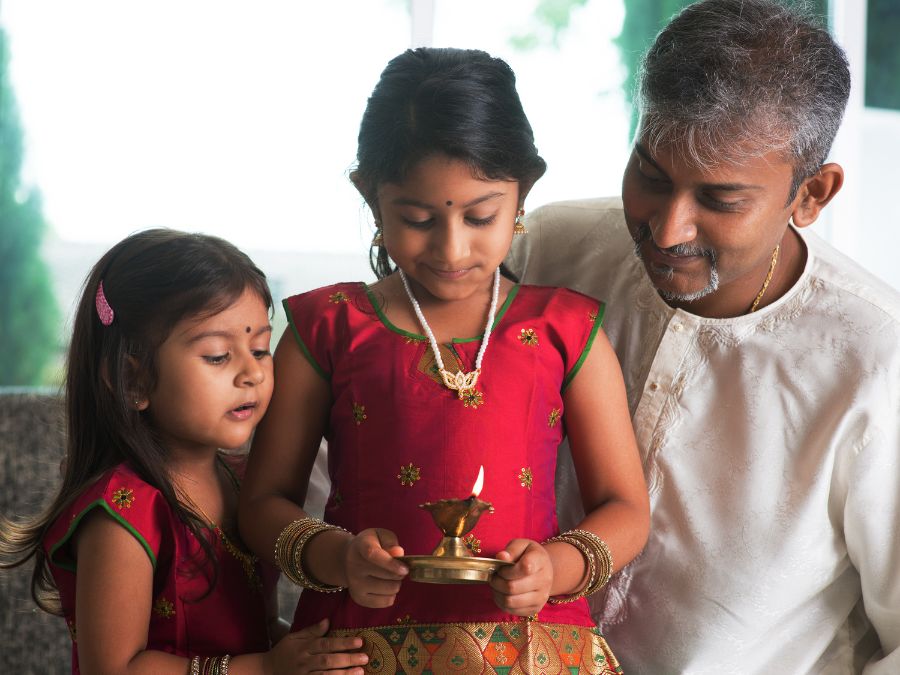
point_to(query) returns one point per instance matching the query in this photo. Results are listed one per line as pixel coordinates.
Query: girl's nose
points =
(450, 243)
(252, 372)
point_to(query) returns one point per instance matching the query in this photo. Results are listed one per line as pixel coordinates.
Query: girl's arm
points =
(114, 595)
(274, 487)
(611, 481)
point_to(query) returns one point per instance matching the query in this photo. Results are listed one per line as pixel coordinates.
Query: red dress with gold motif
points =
(398, 438)
(231, 619)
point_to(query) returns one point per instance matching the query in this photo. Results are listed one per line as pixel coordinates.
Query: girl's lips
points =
(243, 412)
(448, 274)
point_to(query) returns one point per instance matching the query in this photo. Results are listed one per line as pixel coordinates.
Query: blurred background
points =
(240, 119)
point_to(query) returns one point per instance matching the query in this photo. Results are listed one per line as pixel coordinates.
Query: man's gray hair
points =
(728, 80)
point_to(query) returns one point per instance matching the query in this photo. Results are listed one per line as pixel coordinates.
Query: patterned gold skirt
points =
(514, 648)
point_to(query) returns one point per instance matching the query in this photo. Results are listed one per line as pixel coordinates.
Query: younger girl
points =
(169, 362)
(442, 366)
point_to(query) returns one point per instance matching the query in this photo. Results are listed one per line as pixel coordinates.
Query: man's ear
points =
(815, 192)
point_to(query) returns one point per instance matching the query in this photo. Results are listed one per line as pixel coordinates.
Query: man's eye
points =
(216, 359)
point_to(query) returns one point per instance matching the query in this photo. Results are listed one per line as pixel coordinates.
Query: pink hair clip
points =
(104, 311)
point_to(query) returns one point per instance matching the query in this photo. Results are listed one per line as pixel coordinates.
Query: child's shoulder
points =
(552, 300)
(127, 498)
(333, 294)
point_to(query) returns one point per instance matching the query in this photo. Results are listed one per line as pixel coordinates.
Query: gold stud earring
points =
(519, 226)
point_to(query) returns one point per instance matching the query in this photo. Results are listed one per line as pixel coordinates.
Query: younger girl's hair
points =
(457, 102)
(151, 280)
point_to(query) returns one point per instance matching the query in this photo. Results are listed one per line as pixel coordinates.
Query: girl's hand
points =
(308, 650)
(523, 588)
(373, 574)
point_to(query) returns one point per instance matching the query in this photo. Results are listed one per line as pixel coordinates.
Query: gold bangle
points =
(597, 556)
(602, 556)
(591, 570)
(195, 666)
(289, 552)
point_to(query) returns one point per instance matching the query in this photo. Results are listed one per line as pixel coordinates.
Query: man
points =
(762, 366)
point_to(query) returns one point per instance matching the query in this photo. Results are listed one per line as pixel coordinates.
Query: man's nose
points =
(673, 222)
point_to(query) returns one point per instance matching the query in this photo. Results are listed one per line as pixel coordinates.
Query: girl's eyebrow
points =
(225, 334)
(405, 201)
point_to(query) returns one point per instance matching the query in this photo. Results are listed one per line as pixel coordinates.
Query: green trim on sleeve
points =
(587, 347)
(118, 518)
(303, 347)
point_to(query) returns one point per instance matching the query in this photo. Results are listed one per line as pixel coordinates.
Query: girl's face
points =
(447, 230)
(214, 378)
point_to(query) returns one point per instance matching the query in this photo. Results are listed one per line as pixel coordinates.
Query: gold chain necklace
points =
(765, 286)
(247, 560)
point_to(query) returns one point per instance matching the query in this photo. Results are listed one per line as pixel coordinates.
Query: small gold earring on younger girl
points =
(519, 227)
(378, 239)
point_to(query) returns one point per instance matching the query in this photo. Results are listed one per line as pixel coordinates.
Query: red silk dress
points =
(398, 438)
(232, 619)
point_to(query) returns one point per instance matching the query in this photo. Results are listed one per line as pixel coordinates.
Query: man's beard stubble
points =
(644, 234)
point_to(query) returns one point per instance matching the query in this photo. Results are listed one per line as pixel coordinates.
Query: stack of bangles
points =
(211, 665)
(598, 557)
(289, 552)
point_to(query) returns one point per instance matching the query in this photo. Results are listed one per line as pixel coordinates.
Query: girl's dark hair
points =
(152, 280)
(457, 102)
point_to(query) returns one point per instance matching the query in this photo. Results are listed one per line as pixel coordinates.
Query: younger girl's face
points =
(214, 378)
(447, 230)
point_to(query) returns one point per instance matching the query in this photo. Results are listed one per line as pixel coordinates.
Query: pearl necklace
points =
(460, 381)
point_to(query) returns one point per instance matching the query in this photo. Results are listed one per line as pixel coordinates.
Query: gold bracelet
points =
(195, 666)
(591, 570)
(289, 552)
(602, 556)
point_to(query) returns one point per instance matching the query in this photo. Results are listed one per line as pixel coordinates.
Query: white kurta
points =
(770, 445)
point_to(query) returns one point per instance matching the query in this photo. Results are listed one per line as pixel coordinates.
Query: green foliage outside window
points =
(883, 54)
(29, 316)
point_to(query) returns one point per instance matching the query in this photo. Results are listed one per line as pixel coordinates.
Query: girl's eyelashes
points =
(472, 220)
(261, 353)
(215, 359)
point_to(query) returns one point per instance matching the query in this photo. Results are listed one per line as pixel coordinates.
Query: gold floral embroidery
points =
(359, 413)
(123, 498)
(412, 340)
(405, 620)
(526, 479)
(409, 474)
(338, 297)
(553, 418)
(593, 316)
(472, 398)
(527, 336)
(472, 543)
(164, 608)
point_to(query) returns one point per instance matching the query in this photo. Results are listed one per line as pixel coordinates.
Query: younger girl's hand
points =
(308, 650)
(523, 588)
(373, 574)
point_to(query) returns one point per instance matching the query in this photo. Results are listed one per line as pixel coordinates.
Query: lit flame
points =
(479, 483)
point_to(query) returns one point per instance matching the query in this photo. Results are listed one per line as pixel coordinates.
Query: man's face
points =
(706, 237)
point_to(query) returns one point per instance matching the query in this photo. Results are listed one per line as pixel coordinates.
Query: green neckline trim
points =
(118, 518)
(416, 336)
(302, 344)
(587, 347)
